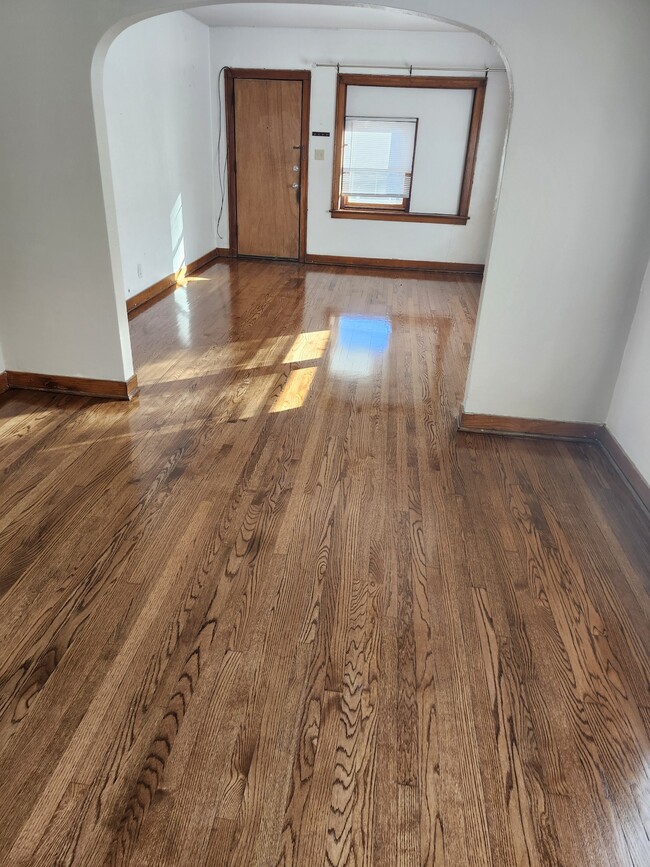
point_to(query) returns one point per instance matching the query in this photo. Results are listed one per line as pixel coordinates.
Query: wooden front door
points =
(269, 170)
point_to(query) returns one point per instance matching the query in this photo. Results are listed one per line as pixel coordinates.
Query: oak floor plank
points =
(123, 711)
(554, 647)
(506, 608)
(277, 611)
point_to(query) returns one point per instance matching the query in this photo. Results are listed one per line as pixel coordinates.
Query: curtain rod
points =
(409, 69)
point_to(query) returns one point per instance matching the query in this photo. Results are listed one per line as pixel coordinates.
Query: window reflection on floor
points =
(358, 345)
(352, 349)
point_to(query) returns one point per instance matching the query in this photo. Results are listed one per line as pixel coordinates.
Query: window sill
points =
(401, 216)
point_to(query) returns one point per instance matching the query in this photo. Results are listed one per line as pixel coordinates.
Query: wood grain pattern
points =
(73, 384)
(622, 462)
(563, 430)
(278, 611)
(268, 121)
(300, 75)
(535, 427)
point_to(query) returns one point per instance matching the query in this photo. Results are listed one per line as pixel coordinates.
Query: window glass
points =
(378, 161)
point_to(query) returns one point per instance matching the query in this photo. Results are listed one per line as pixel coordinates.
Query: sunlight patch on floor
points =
(308, 346)
(295, 390)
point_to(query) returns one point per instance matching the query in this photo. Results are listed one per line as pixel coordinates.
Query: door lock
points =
(295, 185)
(296, 168)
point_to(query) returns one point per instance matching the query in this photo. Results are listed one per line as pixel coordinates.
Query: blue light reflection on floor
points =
(371, 333)
(358, 345)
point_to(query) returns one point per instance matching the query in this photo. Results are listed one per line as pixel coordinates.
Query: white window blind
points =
(378, 160)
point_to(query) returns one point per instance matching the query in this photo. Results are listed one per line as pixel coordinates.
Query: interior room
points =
(174, 63)
(325, 433)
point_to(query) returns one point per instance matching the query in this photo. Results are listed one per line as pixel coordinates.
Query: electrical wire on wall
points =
(222, 165)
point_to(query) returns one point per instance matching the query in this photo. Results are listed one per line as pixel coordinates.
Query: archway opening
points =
(159, 101)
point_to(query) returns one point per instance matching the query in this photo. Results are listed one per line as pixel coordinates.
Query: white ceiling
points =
(303, 15)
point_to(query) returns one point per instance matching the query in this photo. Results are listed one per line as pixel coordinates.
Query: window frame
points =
(342, 210)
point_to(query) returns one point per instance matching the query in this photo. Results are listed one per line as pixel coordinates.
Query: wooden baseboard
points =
(598, 434)
(626, 468)
(113, 389)
(169, 282)
(400, 264)
(532, 427)
(363, 262)
(4, 382)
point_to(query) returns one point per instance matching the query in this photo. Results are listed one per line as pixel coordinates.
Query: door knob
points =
(295, 185)
(296, 168)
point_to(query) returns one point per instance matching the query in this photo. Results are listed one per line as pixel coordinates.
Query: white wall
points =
(570, 242)
(629, 414)
(301, 48)
(60, 310)
(157, 98)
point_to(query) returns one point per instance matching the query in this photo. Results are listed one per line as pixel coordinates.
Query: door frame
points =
(230, 75)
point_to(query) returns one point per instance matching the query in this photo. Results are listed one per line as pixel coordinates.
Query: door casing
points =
(230, 75)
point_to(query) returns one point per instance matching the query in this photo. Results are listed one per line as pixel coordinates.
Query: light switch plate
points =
(319, 154)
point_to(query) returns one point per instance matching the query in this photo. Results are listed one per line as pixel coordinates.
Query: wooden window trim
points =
(366, 212)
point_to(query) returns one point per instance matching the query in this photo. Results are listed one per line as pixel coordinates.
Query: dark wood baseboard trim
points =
(532, 427)
(626, 468)
(363, 262)
(109, 388)
(399, 264)
(169, 282)
(598, 434)
(4, 383)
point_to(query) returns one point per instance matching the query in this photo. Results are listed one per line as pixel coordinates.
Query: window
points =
(377, 173)
(378, 158)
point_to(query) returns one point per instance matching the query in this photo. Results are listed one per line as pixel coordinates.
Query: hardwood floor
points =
(276, 611)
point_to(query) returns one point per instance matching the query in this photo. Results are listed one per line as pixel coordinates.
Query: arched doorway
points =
(129, 272)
